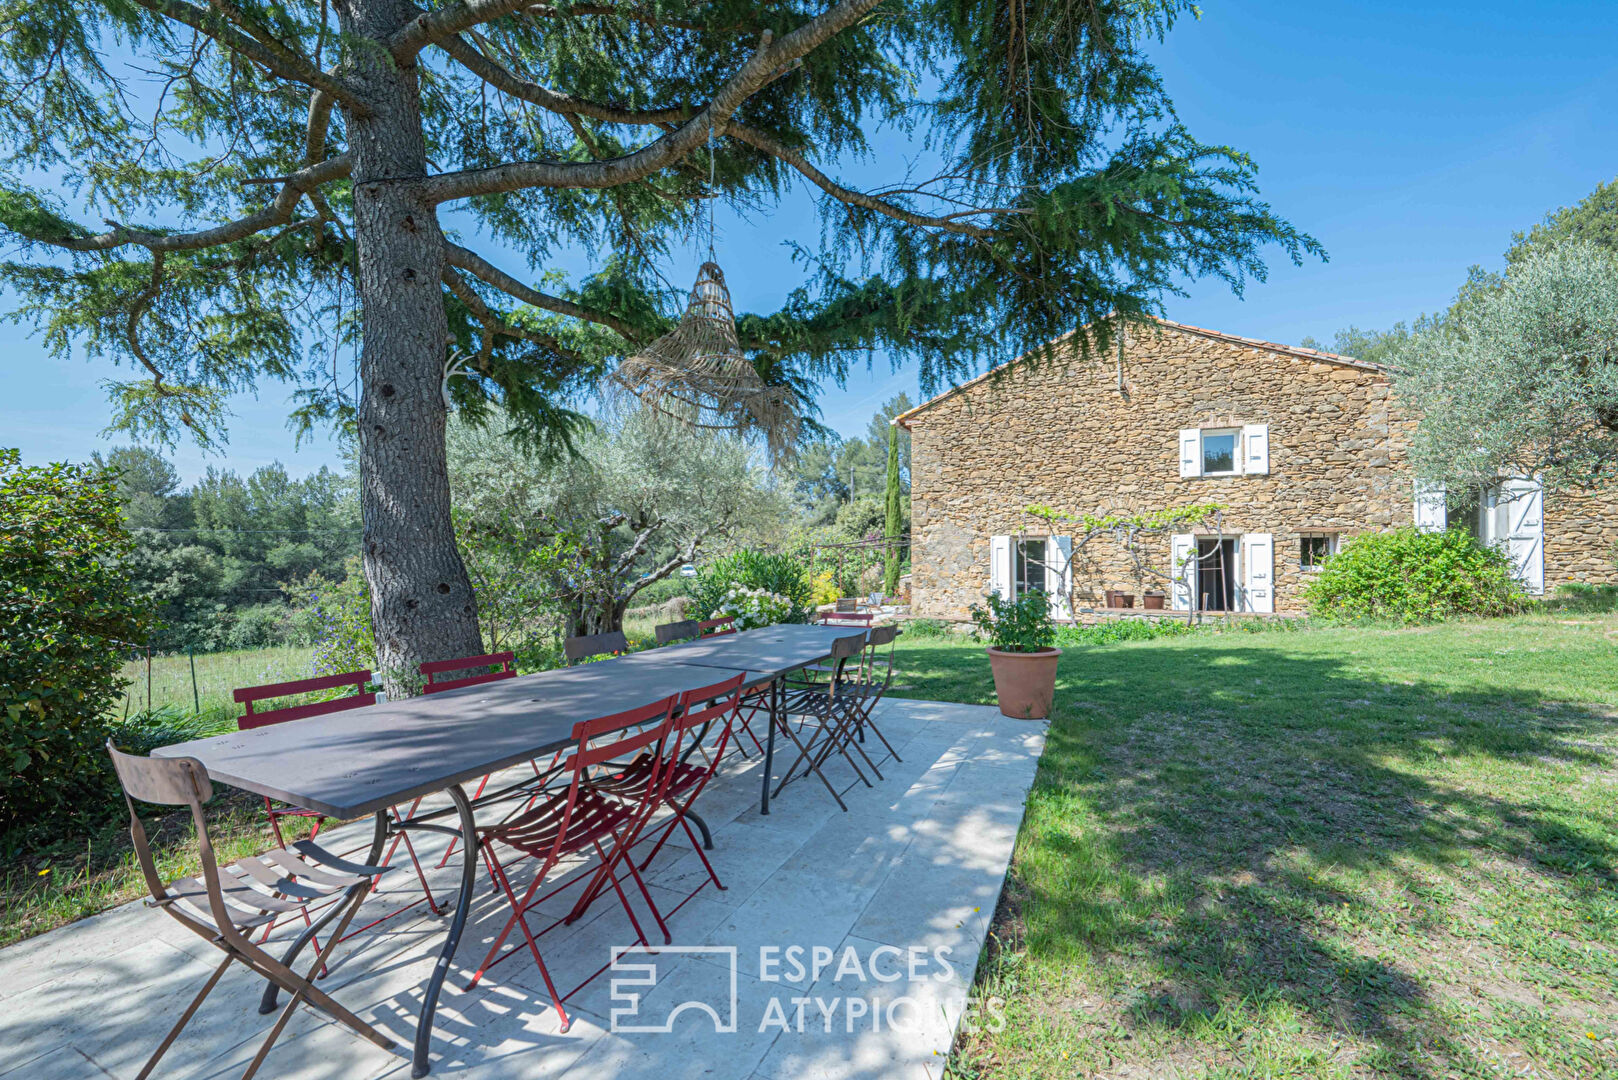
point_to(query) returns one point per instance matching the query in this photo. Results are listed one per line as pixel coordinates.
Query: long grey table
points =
(766, 656)
(364, 761)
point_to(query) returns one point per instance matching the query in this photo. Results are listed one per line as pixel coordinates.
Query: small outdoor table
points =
(364, 761)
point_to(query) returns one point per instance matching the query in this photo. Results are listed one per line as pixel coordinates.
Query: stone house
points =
(1301, 448)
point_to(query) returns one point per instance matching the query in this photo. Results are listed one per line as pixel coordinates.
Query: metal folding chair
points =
(832, 732)
(230, 902)
(580, 820)
(589, 646)
(866, 692)
(846, 618)
(251, 717)
(717, 627)
(684, 630)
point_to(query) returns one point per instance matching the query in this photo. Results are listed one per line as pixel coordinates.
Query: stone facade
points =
(1099, 434)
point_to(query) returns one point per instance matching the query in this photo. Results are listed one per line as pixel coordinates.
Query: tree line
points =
(564, 539)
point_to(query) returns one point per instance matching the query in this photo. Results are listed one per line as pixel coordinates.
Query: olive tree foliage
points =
(368, 199)
(1520, 377)
(580, 537)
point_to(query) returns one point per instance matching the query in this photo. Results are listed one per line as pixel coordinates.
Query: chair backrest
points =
(716, 627)
(878, 637)
(252, 718)
(616, 737)
(611, 643)
(704, 705)
(177, 781)
(678, 631)
(501, 661)
(848, 603)
(847, 618)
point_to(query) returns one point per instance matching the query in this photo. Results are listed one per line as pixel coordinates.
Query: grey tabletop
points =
(765, 654)
(357, 762)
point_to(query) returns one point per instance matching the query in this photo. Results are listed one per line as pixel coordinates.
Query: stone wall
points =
(1062, 432)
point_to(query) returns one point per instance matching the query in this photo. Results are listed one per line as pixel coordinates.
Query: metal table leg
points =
(469, 865)
(769, 744)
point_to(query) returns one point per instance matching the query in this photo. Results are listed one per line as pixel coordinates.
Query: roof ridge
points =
(1300, 351)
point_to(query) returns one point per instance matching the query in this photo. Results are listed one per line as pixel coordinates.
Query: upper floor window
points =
(1219, 450)
(1233, 451)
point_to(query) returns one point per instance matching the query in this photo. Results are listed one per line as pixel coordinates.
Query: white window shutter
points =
(1258, 572)
(1431, 515)
(1182, 550)
(1190, 452)
(1000, 566)
(1524, 501)
(1059, 575)
(1256, 447)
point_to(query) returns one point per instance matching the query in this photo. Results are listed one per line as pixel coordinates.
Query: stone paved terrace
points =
(916, 864)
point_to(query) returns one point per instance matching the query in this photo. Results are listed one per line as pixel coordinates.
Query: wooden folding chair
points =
(251, 717)
(590, 646)
(580, 820)
(228, 903)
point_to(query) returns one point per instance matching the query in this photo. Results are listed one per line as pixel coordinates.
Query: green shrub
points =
(748, 569)
(66, 609)
(336, 617)
(1413, 576)
(1020, 625)
(1114, 630)
(926, 628)
(753, 608)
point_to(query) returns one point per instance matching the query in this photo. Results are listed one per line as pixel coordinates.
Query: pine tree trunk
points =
(422, 606)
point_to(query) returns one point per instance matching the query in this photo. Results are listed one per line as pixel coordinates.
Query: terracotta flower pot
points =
(1119, 598)
(1024, 683)
(1153, 600)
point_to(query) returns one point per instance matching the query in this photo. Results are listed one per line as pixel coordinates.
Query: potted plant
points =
(1022, 652)
(1120, 599)
(1153, 599)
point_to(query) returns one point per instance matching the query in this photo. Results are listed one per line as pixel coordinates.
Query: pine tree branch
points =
(276, 59)
(767, 61)
(948, 222)
(435, 27)
(278, 213)
(489, 274)
(503, 80)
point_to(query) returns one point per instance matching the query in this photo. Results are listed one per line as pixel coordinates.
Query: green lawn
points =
(1316, 853)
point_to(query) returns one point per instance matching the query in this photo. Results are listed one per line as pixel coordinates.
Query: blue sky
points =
(1411, 139)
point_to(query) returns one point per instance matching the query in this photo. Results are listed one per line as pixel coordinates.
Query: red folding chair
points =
(717, 627)
(361, 697)
(846, 618)
(501, 661)
(579, 820)
(682, 781)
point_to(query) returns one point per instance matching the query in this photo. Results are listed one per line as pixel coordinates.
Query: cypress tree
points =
(895, 517)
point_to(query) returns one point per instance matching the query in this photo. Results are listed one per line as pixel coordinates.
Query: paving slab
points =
(913, 868)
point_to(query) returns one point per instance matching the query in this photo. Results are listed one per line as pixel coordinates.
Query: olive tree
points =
(1520, 377)
(226, 192)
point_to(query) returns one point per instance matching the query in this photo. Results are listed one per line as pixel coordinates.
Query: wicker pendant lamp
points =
(698, 373)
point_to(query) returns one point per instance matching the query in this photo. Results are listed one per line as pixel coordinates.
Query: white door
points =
(1521, 504)
(1059, 575)
(1182, 565)
(1431, 516)
(1000, 566)
(1258, 572)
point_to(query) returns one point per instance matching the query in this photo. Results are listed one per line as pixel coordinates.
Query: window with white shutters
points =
(1236, 451)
